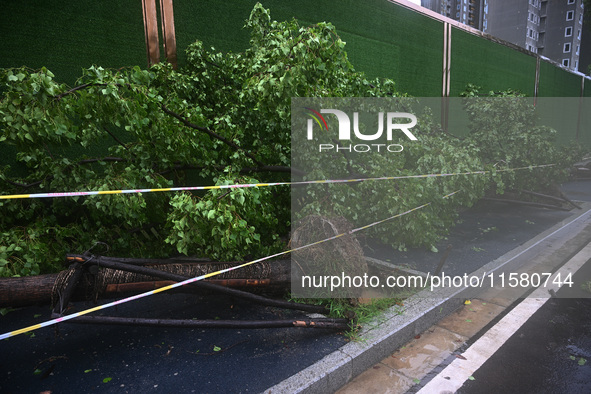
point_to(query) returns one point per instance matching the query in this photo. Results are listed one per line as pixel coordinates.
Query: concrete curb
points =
(392, 330)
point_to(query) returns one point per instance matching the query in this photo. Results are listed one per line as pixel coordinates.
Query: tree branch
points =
(84, 86)
(73, 90)
(14, 183)
(119, 141)
(88, 161)
(49, 177)
(245, 170)
(211, 134)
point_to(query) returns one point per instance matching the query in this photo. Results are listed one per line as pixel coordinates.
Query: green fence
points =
(490, 65)
(66, 36)
(384, 39)
(556, 82)
(587, 92)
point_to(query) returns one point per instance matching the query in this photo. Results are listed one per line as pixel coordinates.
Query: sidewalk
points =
(401, 353)
(440, 360)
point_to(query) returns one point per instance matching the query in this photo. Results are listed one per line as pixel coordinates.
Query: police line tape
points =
(246, 185)
(201, 277)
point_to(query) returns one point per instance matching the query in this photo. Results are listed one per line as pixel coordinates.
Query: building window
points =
(568, 31)
(571, 2)
(534, 18)
(579, 34)
(566, 48)
(566, 62)
(578, 49)
(570, 15)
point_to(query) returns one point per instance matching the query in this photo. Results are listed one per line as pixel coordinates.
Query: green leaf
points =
(4, 311)
(107, 380)
(217, 348)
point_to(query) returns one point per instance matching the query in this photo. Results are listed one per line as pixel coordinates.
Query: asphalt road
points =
(86, 358)
(483, 233)
(550, 353)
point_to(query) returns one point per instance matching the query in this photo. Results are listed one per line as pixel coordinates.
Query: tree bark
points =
(30, 290)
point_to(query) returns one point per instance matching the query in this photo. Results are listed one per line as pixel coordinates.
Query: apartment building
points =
(561, 31)
(550, 28)
(469, 12)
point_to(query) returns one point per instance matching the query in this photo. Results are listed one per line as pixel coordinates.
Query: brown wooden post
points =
(151, 31)
(168, 35)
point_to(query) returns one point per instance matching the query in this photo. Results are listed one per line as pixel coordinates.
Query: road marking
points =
(454, 376)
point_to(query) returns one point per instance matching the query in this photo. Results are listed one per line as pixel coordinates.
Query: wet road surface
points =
(550, 353)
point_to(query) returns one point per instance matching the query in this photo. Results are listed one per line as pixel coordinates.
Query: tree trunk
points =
(268, 277)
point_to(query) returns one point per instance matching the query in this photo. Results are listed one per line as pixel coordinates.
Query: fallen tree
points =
(265, 277)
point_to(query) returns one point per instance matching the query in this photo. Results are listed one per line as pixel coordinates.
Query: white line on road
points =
(450, 379)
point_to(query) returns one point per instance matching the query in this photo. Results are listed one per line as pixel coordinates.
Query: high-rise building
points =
(551, 28)
(468, 12)
(562, 31)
